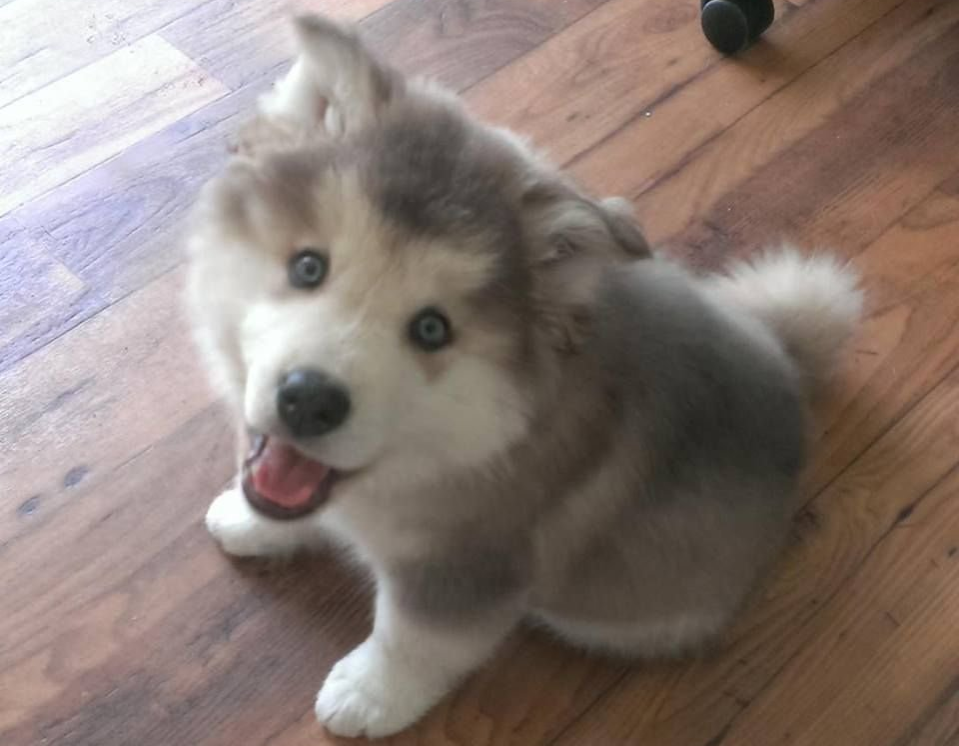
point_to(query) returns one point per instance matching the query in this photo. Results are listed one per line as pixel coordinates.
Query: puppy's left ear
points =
(336, 83)
(574, 242)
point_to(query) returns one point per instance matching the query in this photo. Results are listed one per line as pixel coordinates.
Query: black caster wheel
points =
(732, 25)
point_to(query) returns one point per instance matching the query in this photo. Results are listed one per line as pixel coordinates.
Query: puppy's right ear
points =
(335, 84)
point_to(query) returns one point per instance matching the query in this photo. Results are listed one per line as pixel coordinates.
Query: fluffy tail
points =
(812, 304)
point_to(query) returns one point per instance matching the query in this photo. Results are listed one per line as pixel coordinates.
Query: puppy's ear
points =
(574, 242)
(336, 84)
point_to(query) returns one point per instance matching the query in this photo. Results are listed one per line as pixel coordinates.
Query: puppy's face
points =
(375, 278)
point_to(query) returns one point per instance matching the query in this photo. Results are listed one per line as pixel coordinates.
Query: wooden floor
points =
(120, 622)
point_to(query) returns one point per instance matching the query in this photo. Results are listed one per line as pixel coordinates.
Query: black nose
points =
(311, 403)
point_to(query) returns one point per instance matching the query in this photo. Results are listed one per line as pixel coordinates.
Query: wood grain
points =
(121, 623)
(71, 421)
(838, 538)
(145, 86)
(711, 133)
(117, 240)
(36, 51)
(894, 624)
(41, 297)
(240, 41)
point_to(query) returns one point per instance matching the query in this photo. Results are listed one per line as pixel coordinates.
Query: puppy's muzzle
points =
(311, 403)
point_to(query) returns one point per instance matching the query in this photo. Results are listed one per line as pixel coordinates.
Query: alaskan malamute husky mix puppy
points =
(446, 356)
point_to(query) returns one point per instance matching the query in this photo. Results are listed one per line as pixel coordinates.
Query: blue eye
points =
(430, 330)
(307, 269)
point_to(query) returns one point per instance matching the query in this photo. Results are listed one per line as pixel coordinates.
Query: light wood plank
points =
(118, 240)
(239, 41)
(95, 113)
(36, 49)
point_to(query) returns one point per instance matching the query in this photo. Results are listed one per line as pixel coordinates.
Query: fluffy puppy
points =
(479, 380)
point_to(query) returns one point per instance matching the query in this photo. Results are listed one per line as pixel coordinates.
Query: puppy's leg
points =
(243, 532)
(405, 667)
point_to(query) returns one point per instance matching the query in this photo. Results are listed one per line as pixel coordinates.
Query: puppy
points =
(478, 379)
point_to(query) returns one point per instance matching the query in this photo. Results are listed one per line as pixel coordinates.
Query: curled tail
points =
(811, 303)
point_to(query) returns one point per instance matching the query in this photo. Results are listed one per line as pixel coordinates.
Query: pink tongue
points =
(283, 476)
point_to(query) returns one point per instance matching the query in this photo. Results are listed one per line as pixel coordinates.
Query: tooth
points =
(256, 446)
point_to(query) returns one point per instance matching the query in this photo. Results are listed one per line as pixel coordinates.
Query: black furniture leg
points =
(732, 25)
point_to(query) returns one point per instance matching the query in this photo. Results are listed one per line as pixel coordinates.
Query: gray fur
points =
(700, 432)
(610, 446)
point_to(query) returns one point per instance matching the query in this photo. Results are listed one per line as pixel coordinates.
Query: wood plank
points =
(95, 113)
(939, 726)
(34, 51)
(836, 537)
(605, 70)
(240, 41)
(641, 73)
(41, 297)
(678, 191)
(458, 43)
(118, 240)
(155, 626)
(94, 399)
(894, 625)
(911, 340)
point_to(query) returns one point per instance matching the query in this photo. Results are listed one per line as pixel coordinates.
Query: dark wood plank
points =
(711, 134)
(939, 724)
(893, 624)
(139, 638)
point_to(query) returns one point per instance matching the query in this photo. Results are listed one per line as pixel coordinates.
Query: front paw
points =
(239, 529)
(368, 694)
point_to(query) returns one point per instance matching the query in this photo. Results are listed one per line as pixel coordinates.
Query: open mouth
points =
(282, 483)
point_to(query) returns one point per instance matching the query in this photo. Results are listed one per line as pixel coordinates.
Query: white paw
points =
(239, 529)
(366, 695)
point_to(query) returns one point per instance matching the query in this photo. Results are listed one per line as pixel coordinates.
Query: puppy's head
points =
(381, 284)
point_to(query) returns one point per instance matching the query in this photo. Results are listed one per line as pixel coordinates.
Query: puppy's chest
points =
(379, 534)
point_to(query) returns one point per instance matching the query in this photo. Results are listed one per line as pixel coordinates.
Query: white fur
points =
(812, 303)
(398, 673)
(243, 532)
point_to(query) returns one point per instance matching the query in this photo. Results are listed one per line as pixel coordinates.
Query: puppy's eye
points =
(430, 330)
(307, 268)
